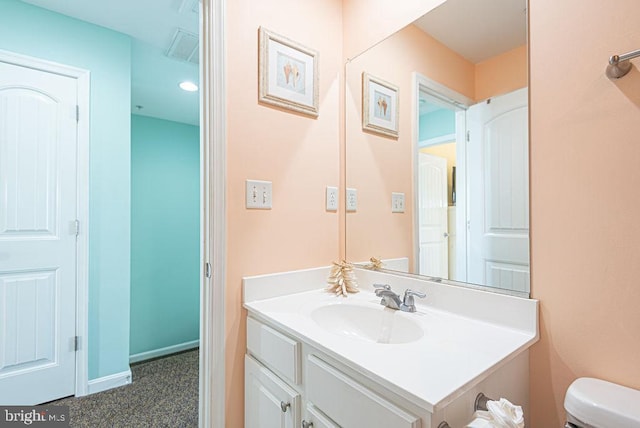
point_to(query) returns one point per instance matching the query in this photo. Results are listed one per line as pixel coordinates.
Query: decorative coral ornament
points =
(342, 279)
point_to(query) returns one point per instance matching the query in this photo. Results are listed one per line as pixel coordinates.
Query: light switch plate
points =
(332, 198)
(258, 194)
(397, 202)
(352, 200)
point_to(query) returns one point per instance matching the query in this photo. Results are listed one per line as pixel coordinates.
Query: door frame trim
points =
(212, 403)
(83, 78)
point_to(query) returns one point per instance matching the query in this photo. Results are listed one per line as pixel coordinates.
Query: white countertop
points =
(455, 352)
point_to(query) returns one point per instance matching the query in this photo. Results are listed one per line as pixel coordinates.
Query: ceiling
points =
(152, 25)
(477, 29)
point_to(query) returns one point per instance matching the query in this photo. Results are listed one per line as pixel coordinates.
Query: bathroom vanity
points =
(316, 359)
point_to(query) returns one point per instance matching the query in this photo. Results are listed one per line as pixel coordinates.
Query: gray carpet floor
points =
(164, 393)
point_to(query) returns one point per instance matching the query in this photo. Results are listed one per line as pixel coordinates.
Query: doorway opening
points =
(440, 184)
(100, 38)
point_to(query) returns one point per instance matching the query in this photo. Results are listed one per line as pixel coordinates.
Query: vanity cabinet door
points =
(269, 402)
(317, 419)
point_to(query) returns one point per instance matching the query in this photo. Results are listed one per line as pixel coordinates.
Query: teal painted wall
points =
(36, 32)
(437, 123)
(165, 233)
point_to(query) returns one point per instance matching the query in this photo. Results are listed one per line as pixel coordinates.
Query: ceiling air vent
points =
(192, 6)
(184, 46)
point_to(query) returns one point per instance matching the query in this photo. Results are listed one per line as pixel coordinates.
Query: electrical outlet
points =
(258, 194)
(397, 202)
(352, 200)
(332, 198)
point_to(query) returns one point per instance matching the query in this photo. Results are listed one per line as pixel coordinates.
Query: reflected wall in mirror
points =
(461, 157)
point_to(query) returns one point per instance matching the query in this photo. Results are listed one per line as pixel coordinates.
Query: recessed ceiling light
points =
(188, 86)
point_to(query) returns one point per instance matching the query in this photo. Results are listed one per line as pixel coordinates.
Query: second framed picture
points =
(379, 106)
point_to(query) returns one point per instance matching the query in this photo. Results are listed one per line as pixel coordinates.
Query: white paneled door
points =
(38, 143)
(498, 174)
(432, 216)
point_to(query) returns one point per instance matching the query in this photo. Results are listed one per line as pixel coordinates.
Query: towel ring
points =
(481, 402)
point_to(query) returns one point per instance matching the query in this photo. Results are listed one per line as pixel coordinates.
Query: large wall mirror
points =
(448, 197)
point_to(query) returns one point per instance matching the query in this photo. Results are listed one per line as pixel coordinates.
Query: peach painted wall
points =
(299, 154)
(501, 74)
(367, 22)
(377, 165)
(585, 234)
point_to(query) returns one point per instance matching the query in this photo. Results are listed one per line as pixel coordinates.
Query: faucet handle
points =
(410, 293)
(408, 301)
(382, 286)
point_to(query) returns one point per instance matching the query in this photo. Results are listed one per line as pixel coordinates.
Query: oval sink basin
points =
(379, 325)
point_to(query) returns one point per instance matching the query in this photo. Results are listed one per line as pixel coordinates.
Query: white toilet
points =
(595, 403)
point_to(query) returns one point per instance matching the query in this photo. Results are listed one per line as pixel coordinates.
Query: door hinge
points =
(76, 343)
(207, 270)
(77, 113)
(468, 136)
(76, 227)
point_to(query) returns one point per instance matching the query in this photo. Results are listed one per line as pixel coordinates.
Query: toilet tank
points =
(596, 403)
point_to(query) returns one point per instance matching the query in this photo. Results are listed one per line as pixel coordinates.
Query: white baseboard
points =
(108, 382)
(163, 351)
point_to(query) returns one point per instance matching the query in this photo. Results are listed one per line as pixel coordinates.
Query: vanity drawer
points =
(277, 351)
(349, 403)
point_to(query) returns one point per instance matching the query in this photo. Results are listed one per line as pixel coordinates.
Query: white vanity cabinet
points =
(276, 391)
(326, 361)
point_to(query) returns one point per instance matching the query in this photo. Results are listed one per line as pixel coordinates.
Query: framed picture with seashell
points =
(379, 106)
(288, 73)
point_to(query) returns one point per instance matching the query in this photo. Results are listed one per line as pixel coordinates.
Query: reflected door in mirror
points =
(498, 188)
(432, 202)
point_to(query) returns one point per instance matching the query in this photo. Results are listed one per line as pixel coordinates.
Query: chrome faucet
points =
(392, 300)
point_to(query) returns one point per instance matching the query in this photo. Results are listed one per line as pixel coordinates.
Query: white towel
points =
(499, 414)
(481, 420)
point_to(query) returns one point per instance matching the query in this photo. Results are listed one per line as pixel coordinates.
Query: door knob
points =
(284, 406)
(446, 235)
(306, 424)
